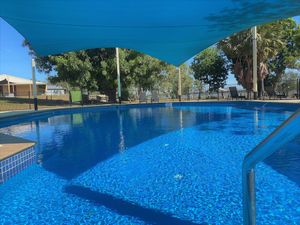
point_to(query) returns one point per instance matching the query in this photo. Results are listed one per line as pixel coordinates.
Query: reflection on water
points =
(68, 145)
(122, 138)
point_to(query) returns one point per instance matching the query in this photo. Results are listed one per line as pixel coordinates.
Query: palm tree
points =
(238, 49)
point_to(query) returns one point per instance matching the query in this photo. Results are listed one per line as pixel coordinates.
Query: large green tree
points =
(144, 72)
(75, 69)
(104, 71)
(169, 83)
(209, 67)
(95, 69)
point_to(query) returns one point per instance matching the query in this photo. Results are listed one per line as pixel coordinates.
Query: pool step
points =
(15, 155)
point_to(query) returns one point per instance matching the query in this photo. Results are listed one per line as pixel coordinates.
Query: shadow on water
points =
(122, 207)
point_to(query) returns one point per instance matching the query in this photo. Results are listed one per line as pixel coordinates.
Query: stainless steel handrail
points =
(277, 139)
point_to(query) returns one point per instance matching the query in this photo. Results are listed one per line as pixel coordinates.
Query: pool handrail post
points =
(249, 200)
(281, 136)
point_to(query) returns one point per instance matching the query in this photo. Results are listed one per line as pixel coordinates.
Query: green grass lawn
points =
(10, 104)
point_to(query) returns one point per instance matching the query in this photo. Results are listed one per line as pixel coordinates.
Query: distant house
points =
(11, 86)
(55, 90)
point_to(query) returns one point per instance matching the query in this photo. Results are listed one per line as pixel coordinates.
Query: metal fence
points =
(24, 101)
(288, 89)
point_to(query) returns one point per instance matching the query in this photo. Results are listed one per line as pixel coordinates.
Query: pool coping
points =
(16, 154)
(4, 116)
(10, 145)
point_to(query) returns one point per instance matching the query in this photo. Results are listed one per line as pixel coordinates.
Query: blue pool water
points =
(151, 164)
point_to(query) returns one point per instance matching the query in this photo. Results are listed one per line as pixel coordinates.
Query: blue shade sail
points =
(171, 30)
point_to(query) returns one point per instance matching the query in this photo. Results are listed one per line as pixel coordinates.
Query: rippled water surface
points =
(151, 165)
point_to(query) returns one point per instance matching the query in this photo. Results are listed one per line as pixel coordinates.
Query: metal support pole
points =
(35, 102)
(118, 75)
(179, 84)
(299, 88)
(249, 203)
(8, 87)
(297, 85)
(254, 45)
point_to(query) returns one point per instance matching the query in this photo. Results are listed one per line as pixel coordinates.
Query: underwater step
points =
(15, 155)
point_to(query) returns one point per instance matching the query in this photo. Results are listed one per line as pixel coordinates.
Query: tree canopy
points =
(209, 66)
(169, 83)
(277, 50)
(95, 70)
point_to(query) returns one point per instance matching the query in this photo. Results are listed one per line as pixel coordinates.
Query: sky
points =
(15, 60)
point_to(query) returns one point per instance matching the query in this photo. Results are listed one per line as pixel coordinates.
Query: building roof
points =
(172, 30)
(17, 80)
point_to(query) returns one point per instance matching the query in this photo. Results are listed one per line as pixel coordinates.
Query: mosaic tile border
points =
(16, 163)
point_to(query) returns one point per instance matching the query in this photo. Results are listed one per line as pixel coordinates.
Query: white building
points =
(55, 90)
(11, 86)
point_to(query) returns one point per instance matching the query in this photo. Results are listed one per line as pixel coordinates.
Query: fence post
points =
(70, 99)
(29, 100)
(298, 88)
(34, 88)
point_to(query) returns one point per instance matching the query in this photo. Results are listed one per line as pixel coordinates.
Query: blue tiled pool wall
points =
(16, 163)
(27, 117)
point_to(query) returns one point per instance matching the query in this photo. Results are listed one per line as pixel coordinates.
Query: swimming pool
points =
(151, 164)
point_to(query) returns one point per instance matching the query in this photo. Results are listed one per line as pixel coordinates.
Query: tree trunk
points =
(259, 87)
(199, 95)
(262, 87)
(111, 95)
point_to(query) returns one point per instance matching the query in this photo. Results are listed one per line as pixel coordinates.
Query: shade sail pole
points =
(254, 50)
(179, 84)
(118, 75)
(35, 102)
